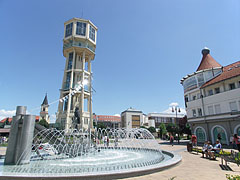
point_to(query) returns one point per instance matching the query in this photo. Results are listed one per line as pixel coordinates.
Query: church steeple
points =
(44, 109)
(45, 101)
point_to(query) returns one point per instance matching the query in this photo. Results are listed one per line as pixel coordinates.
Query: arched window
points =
(238, 131)
(201, 134)
(219, 133)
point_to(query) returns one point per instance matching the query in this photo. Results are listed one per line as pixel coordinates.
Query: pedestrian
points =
(171, 139)
(237, 141)
(231, 140)
(107, 141)
(205, 149)
(194, 140)
(219, 137)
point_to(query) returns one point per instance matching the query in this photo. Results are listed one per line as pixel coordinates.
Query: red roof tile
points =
(107, 118)
(10, 119)
(229, 71)
(3, 130)
(208, 62)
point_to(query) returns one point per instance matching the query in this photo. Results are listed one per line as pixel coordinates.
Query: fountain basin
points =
(109, 163)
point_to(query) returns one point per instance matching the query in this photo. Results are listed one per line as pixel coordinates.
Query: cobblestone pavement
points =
(192, 167)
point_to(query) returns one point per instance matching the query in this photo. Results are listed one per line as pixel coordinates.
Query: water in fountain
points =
(79, 152)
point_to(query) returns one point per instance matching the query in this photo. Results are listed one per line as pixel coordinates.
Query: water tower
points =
(79, 45)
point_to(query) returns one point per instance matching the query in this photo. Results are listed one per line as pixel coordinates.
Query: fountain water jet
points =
(78, 153)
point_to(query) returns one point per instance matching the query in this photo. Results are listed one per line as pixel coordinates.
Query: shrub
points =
(232, 177)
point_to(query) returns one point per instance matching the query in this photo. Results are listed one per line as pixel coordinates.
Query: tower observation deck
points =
(79, 45)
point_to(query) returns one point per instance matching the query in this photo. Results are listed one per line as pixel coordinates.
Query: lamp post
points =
(177, 110)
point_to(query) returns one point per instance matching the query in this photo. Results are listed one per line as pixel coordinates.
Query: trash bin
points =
(189, 146)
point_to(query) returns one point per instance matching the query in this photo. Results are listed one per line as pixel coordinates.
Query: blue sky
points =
(144, 48)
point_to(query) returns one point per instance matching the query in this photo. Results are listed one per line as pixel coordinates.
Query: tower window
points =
(70, 59)
(81, 29)
(92, 33)
(68, 31)
(68, 80)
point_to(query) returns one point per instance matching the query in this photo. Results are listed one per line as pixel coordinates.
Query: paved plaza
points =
(192, 167)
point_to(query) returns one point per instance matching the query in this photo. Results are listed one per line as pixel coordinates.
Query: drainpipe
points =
(204, 115)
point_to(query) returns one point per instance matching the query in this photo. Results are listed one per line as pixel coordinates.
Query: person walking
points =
(194, 140)
(237, 141)
(219, 137)
(171, 140)
(231, 140)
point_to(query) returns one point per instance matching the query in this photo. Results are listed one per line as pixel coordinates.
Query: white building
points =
(132, 118)
(79, 45)
(212, 99)
(165, 118)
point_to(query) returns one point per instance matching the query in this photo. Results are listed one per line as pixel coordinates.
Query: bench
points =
(196, 148)
(234, 157)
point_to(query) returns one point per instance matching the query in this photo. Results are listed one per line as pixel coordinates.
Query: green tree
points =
(162, 130)
(186, 130)
(44, 123)
(171, 128)
(101, 126)
(152, 129)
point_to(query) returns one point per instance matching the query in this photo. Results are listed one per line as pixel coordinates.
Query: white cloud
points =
(117, 115)
(6, 113)
(173, 104)
(169, 110)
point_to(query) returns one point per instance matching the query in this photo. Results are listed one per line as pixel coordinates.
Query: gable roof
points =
(207, 61)
(229, 71)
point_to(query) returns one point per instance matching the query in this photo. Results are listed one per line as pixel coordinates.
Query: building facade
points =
(212, 99)
(108, 121)
(132, 118)
(165, 118)
(79, 45)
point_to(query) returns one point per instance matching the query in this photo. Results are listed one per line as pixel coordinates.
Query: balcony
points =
(78, 44)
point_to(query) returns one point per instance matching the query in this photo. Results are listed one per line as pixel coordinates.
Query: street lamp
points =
(177, 110)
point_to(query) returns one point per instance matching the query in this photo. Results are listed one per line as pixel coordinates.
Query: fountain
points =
(105, 153)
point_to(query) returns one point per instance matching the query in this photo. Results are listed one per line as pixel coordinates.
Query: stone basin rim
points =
(175, 159)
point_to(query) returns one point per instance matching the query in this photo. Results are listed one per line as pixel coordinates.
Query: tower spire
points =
(45, 101)
(207, 61)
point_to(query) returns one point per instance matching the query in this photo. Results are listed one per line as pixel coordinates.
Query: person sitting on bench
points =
(205, 149)
(215, 150)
